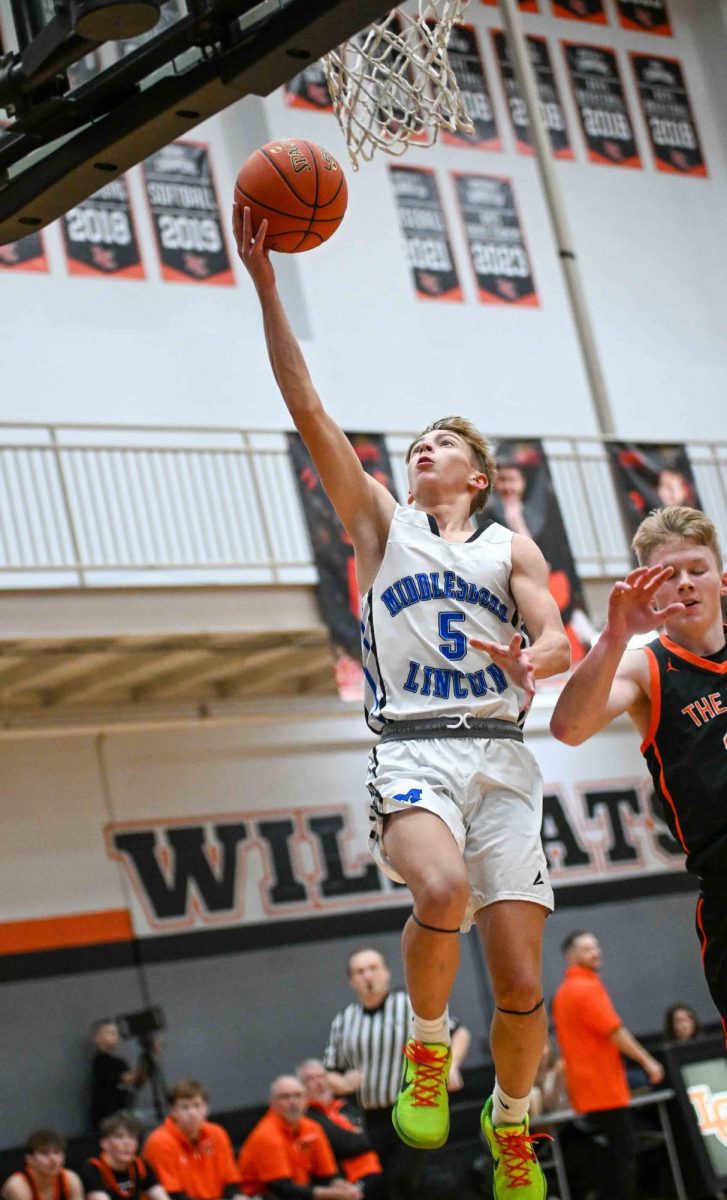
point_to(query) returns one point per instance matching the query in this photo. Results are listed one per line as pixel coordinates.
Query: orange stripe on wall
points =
(52, 933)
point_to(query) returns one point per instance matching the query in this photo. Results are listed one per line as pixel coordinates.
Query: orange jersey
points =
(276, 1150)
(356, 1166)
(584, 1019)
(201, 1169)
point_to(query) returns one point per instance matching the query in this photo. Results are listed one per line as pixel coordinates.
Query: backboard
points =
(82, 111)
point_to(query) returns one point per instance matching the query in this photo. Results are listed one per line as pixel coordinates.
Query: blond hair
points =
(672, 523)
(481, 452)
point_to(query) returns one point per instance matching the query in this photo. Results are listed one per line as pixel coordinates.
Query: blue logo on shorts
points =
(411, 797)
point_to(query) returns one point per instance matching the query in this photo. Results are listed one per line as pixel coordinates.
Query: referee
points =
(364, 1054)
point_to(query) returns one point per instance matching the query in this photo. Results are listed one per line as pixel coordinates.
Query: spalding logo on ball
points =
(300, 190)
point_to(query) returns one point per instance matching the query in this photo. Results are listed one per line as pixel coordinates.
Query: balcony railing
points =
(113, 506)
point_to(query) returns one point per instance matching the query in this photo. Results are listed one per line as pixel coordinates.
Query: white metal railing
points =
(90, 506)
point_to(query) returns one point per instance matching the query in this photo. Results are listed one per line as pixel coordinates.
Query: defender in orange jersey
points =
(675, 691)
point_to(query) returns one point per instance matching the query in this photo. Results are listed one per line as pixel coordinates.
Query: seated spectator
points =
(357, 1161)
(287, 1156)
(681, 1024)
(118, 1170)
(549, 1091)
(112, 1079)
(191, 1156)
(44, 1176)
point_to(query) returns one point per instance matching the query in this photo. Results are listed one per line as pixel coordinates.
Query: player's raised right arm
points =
(610, 681)
(363, 505)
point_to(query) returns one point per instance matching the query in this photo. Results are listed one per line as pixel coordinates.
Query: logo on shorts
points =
(413, 796)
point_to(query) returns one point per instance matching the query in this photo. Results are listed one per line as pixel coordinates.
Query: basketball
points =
(299, 188)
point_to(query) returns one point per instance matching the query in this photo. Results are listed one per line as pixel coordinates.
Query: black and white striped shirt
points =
(371, 1040)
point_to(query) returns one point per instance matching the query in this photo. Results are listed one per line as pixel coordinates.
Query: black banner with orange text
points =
(524, 500)
(551, 106)
(426, 237)
(668, 112)
(601, 103)
(651, 476)
(333, 553)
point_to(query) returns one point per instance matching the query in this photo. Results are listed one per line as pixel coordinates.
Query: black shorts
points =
(711, 921)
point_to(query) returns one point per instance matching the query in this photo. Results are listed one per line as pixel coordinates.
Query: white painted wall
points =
(652, 250)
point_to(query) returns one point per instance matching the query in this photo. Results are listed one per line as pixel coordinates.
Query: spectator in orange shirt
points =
(192, 1157)
(44, 1176)
(350, 1144)
(287, 1156)
(592, 1039)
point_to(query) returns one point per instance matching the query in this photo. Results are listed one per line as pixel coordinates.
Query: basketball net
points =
(393, 84)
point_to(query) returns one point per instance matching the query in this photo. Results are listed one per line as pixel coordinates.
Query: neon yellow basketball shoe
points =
(518, 1174)
(421, 1113)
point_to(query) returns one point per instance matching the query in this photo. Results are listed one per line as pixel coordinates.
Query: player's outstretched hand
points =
(253, 252)
(631, 606)
(513, 660)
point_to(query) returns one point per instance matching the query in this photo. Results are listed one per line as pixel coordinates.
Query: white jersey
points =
(429, 598)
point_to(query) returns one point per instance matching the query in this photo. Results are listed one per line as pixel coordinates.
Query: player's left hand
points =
(514, 661)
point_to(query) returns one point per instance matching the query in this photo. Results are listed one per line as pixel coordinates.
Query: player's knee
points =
(518, 988)
(442, 897)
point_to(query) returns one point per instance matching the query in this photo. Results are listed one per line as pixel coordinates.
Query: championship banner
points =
(650, 476)
(99, 236)
(646, 16)
(581, 10)
(524, 500)
(309, 90)
(668, 115)
(496, 245)
(599, 95)
(27, 254)
(426, 238)
(333, 553)
(551, 106)
(469, 72)
(186, 217)
(524, 5)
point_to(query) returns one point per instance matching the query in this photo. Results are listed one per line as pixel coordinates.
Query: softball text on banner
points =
(601, 103)
(466, 63)
(99, 235)
(497, 248)
(551, 107)
(186, 215)
(426, 239)
(668, 113)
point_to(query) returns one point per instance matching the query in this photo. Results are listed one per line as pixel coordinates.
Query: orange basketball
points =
(299, 188)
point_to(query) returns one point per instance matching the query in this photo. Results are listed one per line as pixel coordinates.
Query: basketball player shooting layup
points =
(456, 797)
(675, 691)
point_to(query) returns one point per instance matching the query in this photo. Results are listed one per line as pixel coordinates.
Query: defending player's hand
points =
(513, 660)
(631, 605)
(253, 252)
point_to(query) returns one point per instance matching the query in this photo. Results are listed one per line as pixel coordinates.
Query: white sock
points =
(508, 1110)
(432, 1031)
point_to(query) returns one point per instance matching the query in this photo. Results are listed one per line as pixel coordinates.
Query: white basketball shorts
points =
(488, 792)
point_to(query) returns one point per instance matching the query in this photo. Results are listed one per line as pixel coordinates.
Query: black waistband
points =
(461, 726)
